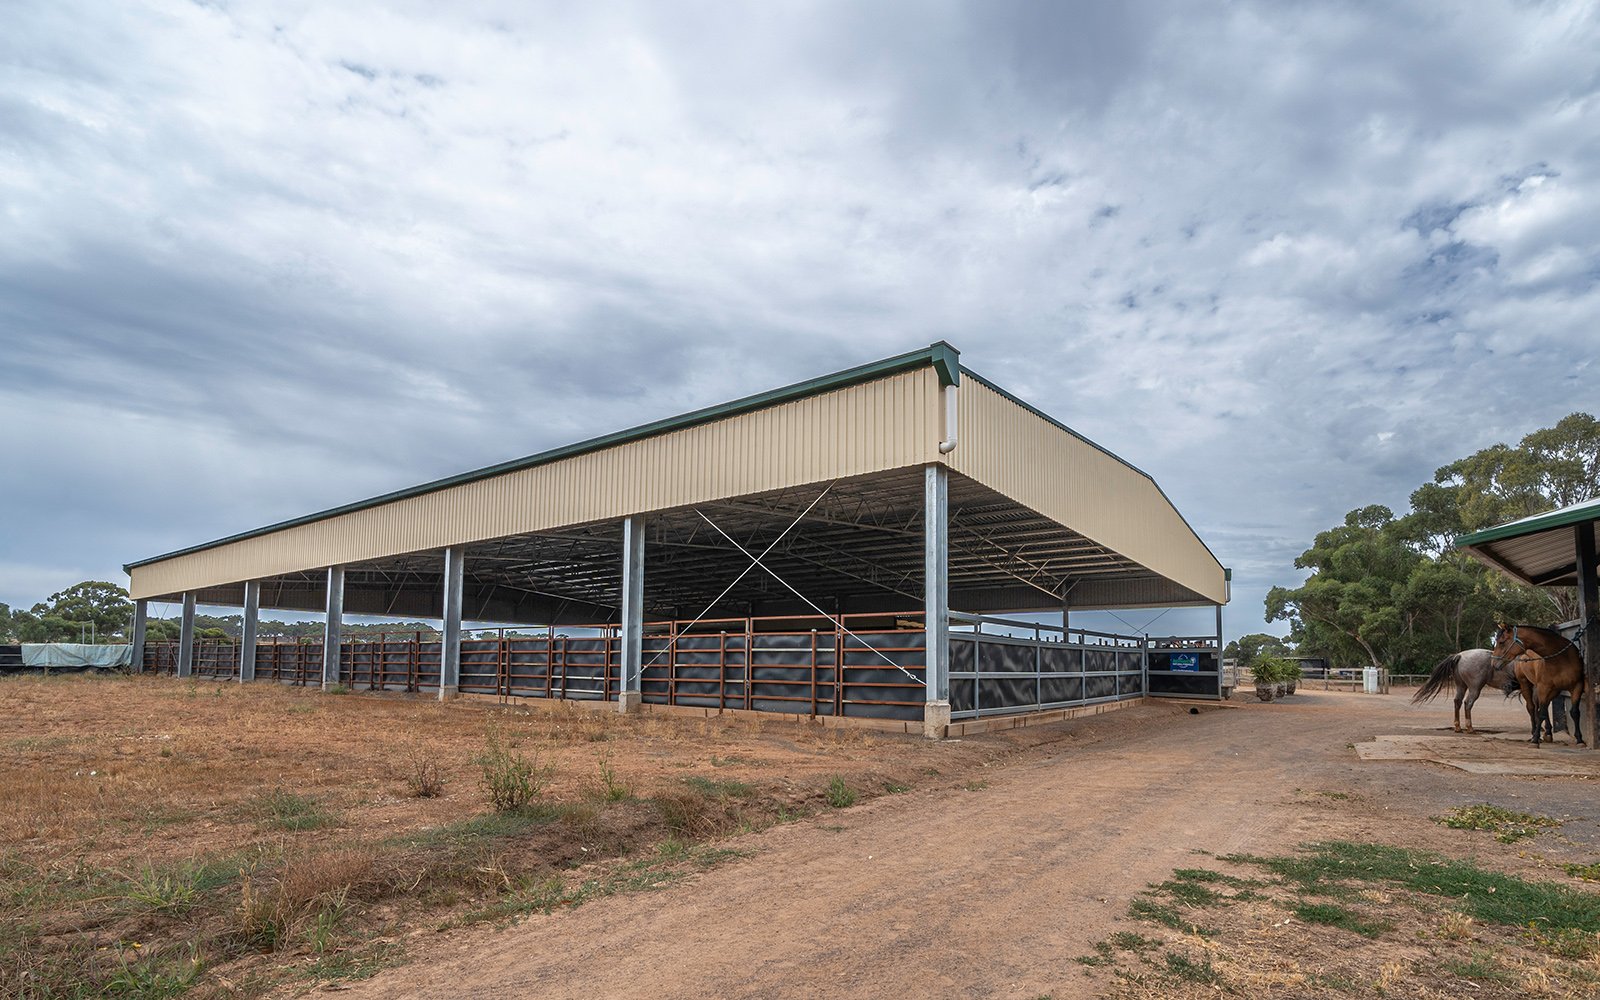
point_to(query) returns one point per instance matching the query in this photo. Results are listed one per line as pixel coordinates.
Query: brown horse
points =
(1545, 662)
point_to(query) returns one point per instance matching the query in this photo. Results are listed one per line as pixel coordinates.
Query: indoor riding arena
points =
(899, 545)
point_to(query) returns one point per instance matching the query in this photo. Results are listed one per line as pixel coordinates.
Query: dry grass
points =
(166, 835)
(1379, 935)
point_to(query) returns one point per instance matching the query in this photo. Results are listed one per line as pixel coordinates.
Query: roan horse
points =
(1545, 662)
(1471, 670)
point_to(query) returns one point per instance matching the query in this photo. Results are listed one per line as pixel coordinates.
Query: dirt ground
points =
(1003, 865)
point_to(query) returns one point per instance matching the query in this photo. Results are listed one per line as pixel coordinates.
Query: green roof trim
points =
(1566, 517)
(947, 362)
(942, 357)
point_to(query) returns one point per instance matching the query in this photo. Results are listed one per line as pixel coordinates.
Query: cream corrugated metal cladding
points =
(888, 423)
(870, 426)
(1034, 462)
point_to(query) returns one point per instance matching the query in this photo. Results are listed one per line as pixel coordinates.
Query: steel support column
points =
(1589, 621)
(247, 631)
(141, 614)
(1219, 652)
(333, 627)
(936, 597)
(455, 572)
(631, 679)
(186, 637)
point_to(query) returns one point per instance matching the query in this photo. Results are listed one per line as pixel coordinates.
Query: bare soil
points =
(1000, 865)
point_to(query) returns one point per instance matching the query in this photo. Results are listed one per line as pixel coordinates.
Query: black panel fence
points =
(999, 666)
(851, 666)
(863, 666)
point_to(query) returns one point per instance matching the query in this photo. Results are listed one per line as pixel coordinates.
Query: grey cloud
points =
(259, 261)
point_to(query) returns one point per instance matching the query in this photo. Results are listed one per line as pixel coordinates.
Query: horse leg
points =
(1472, 696)
(1460, 690)
(1577, 728)
(1534, 715)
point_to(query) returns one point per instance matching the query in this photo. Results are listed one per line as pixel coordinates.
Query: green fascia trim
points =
(942, 357)
(1563, 518)
(1102, 450)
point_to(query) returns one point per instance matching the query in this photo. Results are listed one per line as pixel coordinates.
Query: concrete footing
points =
(935, 719)
(449, 693)
(628, 702)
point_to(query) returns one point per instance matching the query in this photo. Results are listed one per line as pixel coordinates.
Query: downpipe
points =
(951, 427)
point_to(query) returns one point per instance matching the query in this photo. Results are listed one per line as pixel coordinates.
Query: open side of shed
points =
(800, 550)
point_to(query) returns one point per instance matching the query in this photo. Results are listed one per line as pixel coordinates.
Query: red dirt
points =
(991, 891)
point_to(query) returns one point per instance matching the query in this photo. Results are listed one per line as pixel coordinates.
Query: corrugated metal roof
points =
(1539, 550)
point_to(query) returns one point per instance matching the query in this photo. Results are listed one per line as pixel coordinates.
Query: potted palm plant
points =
(1266, 670)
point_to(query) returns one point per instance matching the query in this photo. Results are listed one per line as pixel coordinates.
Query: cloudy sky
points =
(263, 258)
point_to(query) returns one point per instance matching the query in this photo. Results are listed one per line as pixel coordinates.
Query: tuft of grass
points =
(1131, 941)
(153, 977)
(1190, 893)
(281, 809)
(1480, 966)
(1334, 915)
(1326, 868)
(1568, 943)
(337, 688)
(976, 785)
(840, 795)
(511, 780)
(687, 814)
(1167, 916)
(1507, 825)
(612, 789)
(1103, 955)
(1189, 970)
(354, 965)
(158, 891)
(895, 787)
(1589, 873)
(713, 788)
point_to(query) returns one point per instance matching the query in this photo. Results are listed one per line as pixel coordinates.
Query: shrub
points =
(512, 780)
(423, 780)
(840, 795)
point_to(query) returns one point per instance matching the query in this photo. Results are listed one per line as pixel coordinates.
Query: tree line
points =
(97, 611)
(1391, 590)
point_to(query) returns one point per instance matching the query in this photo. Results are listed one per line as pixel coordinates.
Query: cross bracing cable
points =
(808, 600)
(754, 562)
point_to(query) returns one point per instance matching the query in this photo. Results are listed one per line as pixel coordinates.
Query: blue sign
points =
(1185, 661)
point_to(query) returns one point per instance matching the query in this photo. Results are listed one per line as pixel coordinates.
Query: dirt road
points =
(990, 891)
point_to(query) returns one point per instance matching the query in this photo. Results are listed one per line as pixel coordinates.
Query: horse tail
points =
(1443, 673)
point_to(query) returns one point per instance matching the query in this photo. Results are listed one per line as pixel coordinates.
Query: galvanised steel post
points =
(141, 614)
(631, 680)
(247, 634)
(333, 627)
(936, 598)
(186, 637)
(455, 574)
(1219, 652)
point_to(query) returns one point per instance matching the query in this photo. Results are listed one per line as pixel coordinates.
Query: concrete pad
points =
(1485, 753)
